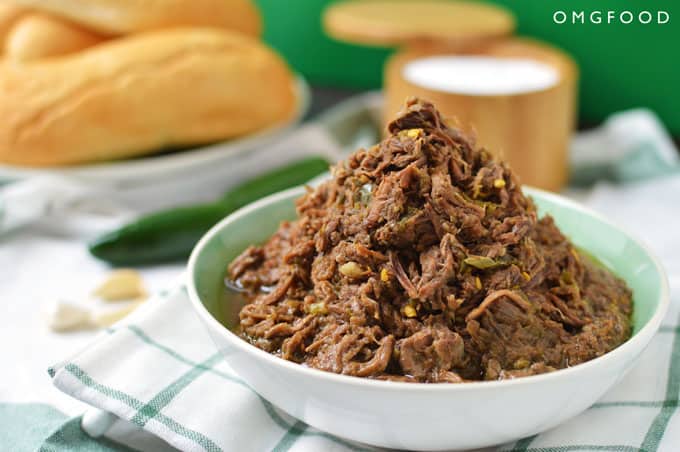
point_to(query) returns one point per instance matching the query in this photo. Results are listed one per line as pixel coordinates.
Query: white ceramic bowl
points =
(429, 416)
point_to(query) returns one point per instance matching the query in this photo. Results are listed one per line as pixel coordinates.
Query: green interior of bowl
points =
(608, 244)
(242, 229)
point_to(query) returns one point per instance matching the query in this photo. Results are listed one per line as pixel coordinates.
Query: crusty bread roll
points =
(37, 35)
(128, 16)
(9, 14)
(140, 94)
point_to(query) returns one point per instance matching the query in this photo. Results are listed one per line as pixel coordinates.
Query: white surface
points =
(479, 75)
(37, 267)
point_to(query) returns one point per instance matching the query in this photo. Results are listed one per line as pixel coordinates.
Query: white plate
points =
(152, 168)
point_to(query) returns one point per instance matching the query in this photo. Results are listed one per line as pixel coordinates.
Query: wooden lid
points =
(391, 22)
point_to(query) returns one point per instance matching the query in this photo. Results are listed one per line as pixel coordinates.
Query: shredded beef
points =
(421, 260)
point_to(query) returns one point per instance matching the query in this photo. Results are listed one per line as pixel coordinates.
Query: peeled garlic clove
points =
(122, 284)
(108, 318)
(65, 316)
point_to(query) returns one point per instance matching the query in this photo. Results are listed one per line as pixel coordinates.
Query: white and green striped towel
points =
(159, 370)
(159, 373)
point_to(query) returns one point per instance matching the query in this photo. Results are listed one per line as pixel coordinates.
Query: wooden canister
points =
(528, 123)
(530, 128)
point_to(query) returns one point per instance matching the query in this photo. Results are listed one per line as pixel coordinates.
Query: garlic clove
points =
(124, 284)
(65, 316)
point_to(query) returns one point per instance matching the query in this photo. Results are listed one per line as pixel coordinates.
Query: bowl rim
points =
(640, 338)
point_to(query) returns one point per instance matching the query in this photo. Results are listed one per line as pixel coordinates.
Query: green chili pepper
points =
(170, 235)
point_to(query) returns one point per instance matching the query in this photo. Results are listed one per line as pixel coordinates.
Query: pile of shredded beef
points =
(421, 260)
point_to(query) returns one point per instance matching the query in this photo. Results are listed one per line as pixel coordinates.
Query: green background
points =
(622, 66)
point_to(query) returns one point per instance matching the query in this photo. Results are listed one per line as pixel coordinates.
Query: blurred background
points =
(622, 65)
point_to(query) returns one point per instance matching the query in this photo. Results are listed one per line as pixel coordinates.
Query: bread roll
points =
(37, 35)
(9, 13)
(140, 94)
(129, 16)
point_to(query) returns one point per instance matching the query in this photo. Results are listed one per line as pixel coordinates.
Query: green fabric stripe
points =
(24, 426)
(300, 429)
(136, 404)
(193, 435)
(658, 427)
(290, 437)
(164, 397)
(267, 406)
(636, 404)
(585, 447)
(111, 393)
(70, 436)
(271, 411)
(523, 444)
(669, 329)
(145, 337)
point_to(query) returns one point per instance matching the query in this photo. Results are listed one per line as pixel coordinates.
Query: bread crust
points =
(37, 35)
(139, 94)
(9, 14)
(130, 16)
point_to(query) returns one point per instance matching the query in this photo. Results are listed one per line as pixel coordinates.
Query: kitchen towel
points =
(159, 371)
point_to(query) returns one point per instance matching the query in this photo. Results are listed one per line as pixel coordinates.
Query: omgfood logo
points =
(625, 17)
